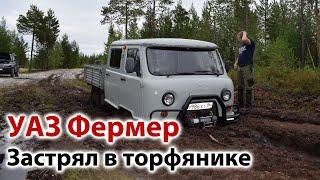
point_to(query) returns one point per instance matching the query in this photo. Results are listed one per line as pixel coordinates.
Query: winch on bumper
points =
(205, 111)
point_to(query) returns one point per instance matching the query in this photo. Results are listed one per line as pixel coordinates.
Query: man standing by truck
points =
(243, 66)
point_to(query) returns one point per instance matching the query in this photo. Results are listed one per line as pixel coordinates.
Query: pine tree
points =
(147, 30)
(181, 28)
(113, 35)
(206, 32)
(48, 34)
(30, 24)
(121, 11)
(133, 29)
(263, 9)
(317, 17)
(5, 39)
(194, 22)
(154, 9)
(165, 25)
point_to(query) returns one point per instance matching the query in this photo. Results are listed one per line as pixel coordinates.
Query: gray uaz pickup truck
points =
(9, 64)
(159, 79)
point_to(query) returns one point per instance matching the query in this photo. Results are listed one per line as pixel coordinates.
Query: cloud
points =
(80, 19)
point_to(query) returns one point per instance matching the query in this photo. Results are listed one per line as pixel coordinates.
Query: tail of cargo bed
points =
(94, 75)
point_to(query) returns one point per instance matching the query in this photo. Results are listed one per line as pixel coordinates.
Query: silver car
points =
(166, 79)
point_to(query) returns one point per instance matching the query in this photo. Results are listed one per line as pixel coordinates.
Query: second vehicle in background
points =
(9, 64)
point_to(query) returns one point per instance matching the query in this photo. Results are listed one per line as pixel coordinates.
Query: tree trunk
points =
(246, 14)
(47, 57)
(317, 30)
(127, 16)
(266, 8)
(214, 30)
(302, 29)
(30, 64)
(154, 19)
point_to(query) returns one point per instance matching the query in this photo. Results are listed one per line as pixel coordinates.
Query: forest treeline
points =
(11, 41)
(47, 50)
(286, 32)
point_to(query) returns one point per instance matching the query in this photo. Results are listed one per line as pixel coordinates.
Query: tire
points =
(12, 72)
(17, 73)
(97, 96)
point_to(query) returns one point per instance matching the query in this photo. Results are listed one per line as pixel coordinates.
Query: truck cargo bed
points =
(94, 75)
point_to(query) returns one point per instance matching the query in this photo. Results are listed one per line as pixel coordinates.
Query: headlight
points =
(168, 99)
(226, 95)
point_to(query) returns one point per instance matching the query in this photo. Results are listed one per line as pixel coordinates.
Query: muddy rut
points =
(285, 141)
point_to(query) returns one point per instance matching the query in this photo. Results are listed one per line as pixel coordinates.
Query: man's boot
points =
(240, 98)
(249, 100)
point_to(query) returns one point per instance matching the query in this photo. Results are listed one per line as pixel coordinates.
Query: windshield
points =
(4, 57)
(182, 61)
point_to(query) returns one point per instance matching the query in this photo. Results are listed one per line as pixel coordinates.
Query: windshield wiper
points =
(208, 73)
(203, 71)
(183, 73)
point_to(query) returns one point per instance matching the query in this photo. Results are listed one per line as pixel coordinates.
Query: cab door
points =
(112, 78)
(131, 85)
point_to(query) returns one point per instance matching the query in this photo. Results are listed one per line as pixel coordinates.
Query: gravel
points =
(23, 79)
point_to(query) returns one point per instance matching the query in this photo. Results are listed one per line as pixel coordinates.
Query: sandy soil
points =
(283, 132)
(7, 81)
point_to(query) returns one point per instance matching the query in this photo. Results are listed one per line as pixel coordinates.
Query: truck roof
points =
(166, 42)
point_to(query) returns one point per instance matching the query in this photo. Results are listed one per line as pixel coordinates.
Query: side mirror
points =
(227, 65)
(130, 65)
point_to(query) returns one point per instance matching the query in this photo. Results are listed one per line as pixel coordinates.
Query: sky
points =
(79, 19)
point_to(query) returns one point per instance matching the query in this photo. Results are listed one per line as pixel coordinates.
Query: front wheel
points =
(17, 73)
(12, 72)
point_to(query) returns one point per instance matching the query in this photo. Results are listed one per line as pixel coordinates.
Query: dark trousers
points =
(245, 86)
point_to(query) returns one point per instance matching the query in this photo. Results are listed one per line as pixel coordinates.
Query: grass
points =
(76, 83)
(296, 82)
(23, 70)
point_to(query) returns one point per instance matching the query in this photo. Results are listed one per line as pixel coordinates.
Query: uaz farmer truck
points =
(166, 79)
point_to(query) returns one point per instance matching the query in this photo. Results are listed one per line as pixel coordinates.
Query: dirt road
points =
(7, 81)
(283, 133)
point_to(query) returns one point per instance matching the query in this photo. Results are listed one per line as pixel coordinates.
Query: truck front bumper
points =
(221, 116)
(5, 70)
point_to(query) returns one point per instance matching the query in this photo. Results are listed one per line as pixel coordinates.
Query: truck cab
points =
(169, 79)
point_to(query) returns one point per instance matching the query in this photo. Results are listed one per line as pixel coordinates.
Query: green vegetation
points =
(296, 82)
(10, 41)
(50, 51)
(286, 33)
(44, 29)
(76, 83)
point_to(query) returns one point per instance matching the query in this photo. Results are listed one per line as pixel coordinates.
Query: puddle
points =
(11, 174)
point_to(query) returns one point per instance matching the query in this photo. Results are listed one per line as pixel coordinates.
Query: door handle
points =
(107, 74)
(123, 79)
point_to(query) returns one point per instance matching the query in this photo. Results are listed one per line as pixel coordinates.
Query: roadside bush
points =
(294, 81)
(278, 54)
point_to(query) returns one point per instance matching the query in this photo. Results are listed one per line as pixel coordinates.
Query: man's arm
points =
(236, 66)
(245, 39)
